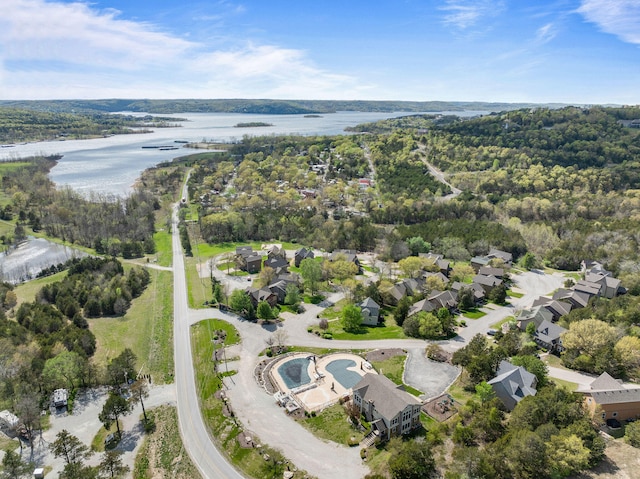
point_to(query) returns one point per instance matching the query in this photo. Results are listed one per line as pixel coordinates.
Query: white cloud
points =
(464, 14)
(546, 33)
(71, 50)
(618, 17)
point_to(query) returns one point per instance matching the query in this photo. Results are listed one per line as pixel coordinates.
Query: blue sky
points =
(572, 51)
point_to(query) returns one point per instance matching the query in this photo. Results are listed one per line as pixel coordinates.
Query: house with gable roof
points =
(549, 336)
(301, 254)
(512, 384)
(390, 410)
(535, 315)
(370, 312)
(612, 399)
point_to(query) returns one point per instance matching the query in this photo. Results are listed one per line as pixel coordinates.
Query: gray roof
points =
(490, 271)
(549, 332)
(588, 287)
(606, 382)
(503, 255)
(616, 397)
(512, 384)
(387, 397)
(422, 305)
(486, 280)
(480, 260)
(369, 304)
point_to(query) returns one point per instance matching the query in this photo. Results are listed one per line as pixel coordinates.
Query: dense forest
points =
(48, 344)
(26, 125)
(273, 107)
(115, 226)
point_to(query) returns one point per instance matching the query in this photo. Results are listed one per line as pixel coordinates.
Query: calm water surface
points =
(110, 166)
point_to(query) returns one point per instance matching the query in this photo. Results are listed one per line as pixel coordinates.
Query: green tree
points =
(484, 392)
(70, 448)
(466, 300)
(139, 392)
(113, 408)
(311, 272)
(351, 318)
(498, 294)
(293, 295)
(122, 368)
(632, 433)
(264, 311)
(62, 370)
(13, 467)
(411, 459)
(528, 261)
(589, 336)
(240, 302)
(112, 465)
(418, 245)
(526, 455)
(402, 310)
(535, 366)
(567, 455)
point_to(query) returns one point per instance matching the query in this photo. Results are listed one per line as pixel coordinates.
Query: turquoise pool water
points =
(346, 378)
(294, 372)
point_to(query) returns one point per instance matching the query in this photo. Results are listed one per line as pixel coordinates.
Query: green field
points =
(474, 313)
(393, 368)
(164, 253)
(27, 291)
(147, 329)
(332, 424)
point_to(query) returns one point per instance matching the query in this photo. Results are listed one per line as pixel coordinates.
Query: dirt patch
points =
(245, 440)
(441, 408)
(621, 461)
(382, 354)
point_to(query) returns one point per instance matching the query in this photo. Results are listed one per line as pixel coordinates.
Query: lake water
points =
(110, 166)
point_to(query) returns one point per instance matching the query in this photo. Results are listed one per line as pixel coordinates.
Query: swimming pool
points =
(346, 378)
(294, 372)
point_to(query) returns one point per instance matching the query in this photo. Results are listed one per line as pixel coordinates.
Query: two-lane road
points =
(209, 461)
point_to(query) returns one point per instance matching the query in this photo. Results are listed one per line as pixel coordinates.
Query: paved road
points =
(209, 461)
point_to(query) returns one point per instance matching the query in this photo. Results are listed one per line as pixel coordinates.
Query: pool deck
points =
(324, 390)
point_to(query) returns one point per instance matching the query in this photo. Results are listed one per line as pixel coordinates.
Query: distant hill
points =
(273, 107)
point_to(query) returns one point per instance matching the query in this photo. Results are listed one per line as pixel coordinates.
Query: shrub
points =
(327, 336)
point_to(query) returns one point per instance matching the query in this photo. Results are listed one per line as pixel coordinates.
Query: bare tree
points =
(280, 338)
(139, 392)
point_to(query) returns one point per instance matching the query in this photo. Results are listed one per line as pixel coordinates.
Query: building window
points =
(614, 414)
(604, 415)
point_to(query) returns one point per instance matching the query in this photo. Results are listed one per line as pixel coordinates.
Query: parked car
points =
(492, 332)
(614, 423)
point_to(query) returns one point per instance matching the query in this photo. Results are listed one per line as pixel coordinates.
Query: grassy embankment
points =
(393, 368)
(226, 429)
(162, 454)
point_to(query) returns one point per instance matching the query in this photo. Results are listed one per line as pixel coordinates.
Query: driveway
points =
(84, 424)
(430, 377)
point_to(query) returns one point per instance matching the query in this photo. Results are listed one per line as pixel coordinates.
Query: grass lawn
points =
(162, 453)
(199, 289)
(565, 384)
(332, 424)
(223, 429)
(26, 292)
(147, 329)
(390, 330)
(457, 391)
(97, 445)
(498, 324)
(553, 360)
(513, 294)
(474, 313)
(164, 253)
(393, 368)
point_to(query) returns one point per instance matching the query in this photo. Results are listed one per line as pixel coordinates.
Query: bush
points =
(632, 433)
(327, 336)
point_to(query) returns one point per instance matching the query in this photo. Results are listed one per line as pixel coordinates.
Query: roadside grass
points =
(147, 329)
(393, 368)
(513, 294)
(553, 360)
(224, 429)
(333, 424)
(199, 289)
(474, 313)
(26, 292)
(315, 299)
(207, 250)
(6, 227)
(164, 253)
(162, 453)
(333, 312)
(457, 390)
(322, 351)
(8, 444)
(571, 386)
(498, 324)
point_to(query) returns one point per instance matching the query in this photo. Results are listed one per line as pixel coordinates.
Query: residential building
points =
(301, 254)
(536, 315)
(390, 410)
(612, 399)
(549, 336)
(512, 384)
(370, 312)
